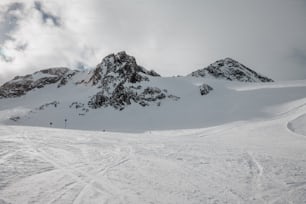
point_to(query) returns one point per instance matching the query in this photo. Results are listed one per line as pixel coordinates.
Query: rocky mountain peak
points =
(232, 70)
(121, 66)
(122, 81)
(118, 81)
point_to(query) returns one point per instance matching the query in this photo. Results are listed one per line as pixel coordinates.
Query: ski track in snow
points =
(242, 162)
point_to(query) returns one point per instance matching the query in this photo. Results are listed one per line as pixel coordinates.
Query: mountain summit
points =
(122, 81)
(232, 70)
(120, 66)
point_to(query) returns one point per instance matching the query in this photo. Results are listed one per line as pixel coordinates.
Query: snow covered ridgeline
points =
(20, 85)
(232, 70)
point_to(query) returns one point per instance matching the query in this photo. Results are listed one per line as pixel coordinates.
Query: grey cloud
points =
(299, 56)
(21, 46)
(10, 20)
(81, 66)
(5, 57)
(47, 15)
(15, 6)
(171, 36)
(292, 66)
(7, 26)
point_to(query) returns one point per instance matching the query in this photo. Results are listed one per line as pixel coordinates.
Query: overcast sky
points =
(170, 36)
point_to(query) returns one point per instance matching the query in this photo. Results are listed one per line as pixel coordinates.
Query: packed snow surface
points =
(298, 125)
(233, 145)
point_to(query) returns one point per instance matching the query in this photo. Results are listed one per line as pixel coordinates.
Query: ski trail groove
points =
(257, 174)
(80, 176)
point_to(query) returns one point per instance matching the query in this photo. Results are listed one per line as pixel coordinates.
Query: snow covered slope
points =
(232, 70)
(298, 125)
(241, 162)
(227, 102)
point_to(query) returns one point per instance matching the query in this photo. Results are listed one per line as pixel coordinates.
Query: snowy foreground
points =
(262, 161)
(242, 143)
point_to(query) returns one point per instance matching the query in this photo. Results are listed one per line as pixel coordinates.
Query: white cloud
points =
(170, 36)
(47, 44)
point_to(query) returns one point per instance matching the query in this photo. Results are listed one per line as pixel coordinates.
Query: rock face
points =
(123, 82)
(119, 67)
(205, 89)
(232, 70)
(20, 85)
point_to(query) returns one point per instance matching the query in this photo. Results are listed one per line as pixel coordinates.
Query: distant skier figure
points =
(50, 124)
(65, 122)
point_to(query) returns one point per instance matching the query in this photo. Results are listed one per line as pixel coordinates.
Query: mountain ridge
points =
(231, 70)
(118, 82)
(122, 68)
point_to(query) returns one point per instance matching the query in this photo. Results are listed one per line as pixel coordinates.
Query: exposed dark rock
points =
(122, 82)
(79, 106)
(205, 89)
(15, 118)
(119, 67)
(68, 75)
(20, 85)
(123, 96)
(76, 105)
(52, 104)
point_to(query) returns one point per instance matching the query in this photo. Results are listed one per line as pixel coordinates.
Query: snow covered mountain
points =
(120, 95)
(232, 70)
(118, 82)
(152, 139)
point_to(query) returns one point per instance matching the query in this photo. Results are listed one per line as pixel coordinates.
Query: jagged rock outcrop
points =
(123, 82)
(205, 89)
(118, 68)
(123, 96)
(232, 70)
(52, 104)
(66, 77)
(20, 85)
